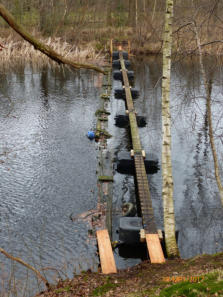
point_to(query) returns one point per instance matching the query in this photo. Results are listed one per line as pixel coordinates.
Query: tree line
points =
(56, 16)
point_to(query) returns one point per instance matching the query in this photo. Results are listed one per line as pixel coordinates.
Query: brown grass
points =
(18, 50)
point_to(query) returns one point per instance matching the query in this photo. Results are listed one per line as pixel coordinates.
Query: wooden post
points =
(129, 47)
(111, 48)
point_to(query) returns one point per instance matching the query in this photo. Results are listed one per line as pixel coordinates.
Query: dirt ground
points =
(200, 276)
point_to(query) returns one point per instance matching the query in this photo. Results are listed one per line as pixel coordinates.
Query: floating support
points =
(117, 74)
(125, 163)
(117, 65)
(115, 55)
(122, 121)
(120, 93)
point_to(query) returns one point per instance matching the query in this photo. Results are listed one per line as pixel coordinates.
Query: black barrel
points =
(125, 164)
(122, 121)
(117, 65)
(120, 93)
(117, 75)
(115, 55)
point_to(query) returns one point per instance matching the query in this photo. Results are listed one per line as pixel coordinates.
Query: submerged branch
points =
(38, 274)
(45, 49)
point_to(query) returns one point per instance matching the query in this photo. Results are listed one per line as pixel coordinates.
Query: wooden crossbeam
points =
(105, 252)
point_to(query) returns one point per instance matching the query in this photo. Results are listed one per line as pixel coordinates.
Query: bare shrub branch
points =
(20, 261)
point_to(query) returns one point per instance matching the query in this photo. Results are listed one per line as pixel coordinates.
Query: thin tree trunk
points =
(154, 9)
(208, 87)
(109, 14)
(132, 14)
(167, 190)
(144, 7)
(61, 23)
(39, 45)
(136, 13)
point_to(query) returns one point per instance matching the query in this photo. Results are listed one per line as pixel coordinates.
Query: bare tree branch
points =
(40, 46)
(62, 20)
(39, 275)
(181, 27)
(211, 42)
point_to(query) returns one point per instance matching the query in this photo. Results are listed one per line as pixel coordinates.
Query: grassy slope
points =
(200, 276)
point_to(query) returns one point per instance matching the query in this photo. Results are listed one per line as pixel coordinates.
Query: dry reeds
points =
(22, 51)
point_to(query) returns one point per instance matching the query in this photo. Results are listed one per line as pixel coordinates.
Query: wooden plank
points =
(105, 252)
(106, 195)
(154, 248)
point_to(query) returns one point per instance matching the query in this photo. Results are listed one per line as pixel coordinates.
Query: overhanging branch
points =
(45, 49)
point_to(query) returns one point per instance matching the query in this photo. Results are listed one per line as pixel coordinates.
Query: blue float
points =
(91, 135)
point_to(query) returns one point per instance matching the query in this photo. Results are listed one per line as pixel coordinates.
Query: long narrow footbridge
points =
(149, 232)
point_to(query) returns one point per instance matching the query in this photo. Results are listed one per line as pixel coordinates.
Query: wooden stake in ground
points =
(40, 46)
(167, 190)
(208, 87)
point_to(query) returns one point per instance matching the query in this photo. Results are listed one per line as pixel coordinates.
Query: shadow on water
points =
(199, 214)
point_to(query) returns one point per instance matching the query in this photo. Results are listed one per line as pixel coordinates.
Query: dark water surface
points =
(47, 164)
(198, 210)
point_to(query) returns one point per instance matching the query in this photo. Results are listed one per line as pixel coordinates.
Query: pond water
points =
(48, 166)
(198, 210)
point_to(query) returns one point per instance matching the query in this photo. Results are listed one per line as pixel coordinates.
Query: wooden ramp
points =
(154, 248)
(152, 238)
(105, 252)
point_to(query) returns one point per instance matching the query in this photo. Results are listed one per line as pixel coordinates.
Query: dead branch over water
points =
(20, 261)
(48, 51)
(20, 51)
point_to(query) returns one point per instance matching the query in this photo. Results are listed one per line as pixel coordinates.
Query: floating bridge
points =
(149, 232)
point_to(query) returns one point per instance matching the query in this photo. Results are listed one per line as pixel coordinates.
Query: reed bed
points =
(21, 51)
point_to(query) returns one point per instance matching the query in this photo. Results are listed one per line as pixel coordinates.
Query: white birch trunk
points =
(167, 190)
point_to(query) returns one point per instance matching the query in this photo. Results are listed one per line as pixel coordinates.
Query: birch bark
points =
(167, 187)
